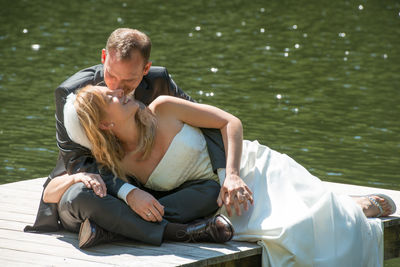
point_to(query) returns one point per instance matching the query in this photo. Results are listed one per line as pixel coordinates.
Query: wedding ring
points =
(240, 198)
(148, 214)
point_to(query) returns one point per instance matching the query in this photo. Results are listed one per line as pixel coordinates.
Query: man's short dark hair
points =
(124, 40)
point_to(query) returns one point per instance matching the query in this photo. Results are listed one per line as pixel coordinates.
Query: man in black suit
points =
(112, 206)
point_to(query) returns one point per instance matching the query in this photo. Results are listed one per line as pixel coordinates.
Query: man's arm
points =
(175, 90)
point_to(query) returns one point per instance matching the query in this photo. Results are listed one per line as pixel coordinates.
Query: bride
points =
(284, 208)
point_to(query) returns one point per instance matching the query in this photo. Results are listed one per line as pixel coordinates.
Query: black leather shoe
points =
(217, 229)
(90, 235)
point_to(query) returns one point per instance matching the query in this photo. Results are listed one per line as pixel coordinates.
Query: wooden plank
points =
(11, 207)
(25, 203)
(23, 258)
(114, 256)
(391, 238)
(28, 185)
(168, 253)
(18, 217)
(12, 225)
(54, 239)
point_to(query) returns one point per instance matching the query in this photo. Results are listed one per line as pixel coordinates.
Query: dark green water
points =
(318, 80)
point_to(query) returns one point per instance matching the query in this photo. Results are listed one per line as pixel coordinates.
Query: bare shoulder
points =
(165, 100)
(165, 103)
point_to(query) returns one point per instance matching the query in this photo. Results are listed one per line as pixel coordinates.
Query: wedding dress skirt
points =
(295, 218)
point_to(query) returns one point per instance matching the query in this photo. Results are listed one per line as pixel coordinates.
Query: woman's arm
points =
(58, 185)
(234, 191)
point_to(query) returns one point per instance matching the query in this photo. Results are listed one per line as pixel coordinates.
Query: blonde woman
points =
(283, 207)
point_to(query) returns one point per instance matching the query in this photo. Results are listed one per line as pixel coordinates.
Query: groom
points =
(116, 205)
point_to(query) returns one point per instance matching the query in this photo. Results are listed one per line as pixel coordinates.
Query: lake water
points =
(318, 80)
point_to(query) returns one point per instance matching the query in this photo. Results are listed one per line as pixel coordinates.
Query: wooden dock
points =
(19, 202)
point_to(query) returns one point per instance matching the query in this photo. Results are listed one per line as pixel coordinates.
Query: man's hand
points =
(145, 205)
(234, 192)
(93, 181)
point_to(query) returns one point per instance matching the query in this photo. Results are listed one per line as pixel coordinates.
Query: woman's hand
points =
(93, 181)
(58, 185)
(234, 192)
(145, 205)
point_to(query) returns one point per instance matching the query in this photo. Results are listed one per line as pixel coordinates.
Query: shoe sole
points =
(84, 233)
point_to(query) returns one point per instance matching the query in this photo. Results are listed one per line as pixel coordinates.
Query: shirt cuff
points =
(124, 191)
(221, 175)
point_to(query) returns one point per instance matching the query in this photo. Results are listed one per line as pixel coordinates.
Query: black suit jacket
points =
(74, 158)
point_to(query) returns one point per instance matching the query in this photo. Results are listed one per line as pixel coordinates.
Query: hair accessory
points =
(74, 128)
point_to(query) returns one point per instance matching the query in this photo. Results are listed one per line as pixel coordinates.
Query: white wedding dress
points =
(294, 218)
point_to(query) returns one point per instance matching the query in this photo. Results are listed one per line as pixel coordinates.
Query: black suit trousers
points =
(190, 201)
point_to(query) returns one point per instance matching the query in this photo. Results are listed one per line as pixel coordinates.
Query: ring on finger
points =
(148, 214)
(240, 198)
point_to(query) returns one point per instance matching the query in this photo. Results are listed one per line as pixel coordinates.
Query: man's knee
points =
(192, 200)
(77, 203)
(202, 185)
(76, 196)
(207, 189)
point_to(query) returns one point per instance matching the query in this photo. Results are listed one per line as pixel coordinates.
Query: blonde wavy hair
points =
(106, 148)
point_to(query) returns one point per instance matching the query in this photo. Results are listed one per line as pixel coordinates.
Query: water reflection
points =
(316, 80)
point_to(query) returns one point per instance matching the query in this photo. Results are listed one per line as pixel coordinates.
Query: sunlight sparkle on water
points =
(334, 173)
(25, 31)
(214, 70)
(286, 54)
(218, 34)
(294, 27)
(342, 34)
(385, 56)
(262, 9)
(35, 47)
(267, 47)
(278, 96)
(262, 30)
(296, 46)
(360, 7)
(198, 28)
